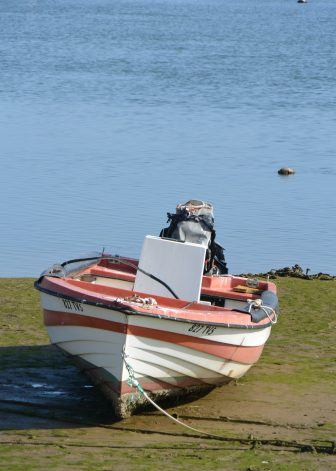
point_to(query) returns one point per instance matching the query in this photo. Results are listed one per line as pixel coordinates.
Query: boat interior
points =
(227, 291)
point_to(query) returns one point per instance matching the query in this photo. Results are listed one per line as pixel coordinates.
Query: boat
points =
(159, 324)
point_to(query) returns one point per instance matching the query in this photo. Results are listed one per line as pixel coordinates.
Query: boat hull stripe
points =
(102, 377)
(246, 355)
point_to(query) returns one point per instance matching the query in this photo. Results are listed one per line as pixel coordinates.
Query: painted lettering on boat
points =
(202, 329)
(72, 305)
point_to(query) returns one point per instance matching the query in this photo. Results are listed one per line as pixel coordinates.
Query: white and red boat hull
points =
(170, 356)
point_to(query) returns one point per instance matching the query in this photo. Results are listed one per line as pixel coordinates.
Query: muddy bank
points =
(51, 416)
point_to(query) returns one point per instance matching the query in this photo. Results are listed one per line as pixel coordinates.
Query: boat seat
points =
(110, 273)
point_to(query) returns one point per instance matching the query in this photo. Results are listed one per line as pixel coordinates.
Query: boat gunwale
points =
(132, 311)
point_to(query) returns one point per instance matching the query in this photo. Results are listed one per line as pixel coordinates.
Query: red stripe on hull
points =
(238, 353)
(241, 354)
(103, 378)
(67, 318)
(159, 385)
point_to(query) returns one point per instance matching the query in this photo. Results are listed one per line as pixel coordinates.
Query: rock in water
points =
(286, 171)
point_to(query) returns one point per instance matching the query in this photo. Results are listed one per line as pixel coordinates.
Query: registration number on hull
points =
(72, 305)
(202, 329)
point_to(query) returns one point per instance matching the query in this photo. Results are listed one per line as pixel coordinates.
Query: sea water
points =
(112, 112)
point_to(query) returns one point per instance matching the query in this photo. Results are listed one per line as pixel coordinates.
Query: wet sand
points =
(281, 415)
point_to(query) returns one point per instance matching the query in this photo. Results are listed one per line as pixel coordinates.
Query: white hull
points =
(200, 358)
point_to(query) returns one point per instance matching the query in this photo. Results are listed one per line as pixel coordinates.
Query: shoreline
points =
(295, 271)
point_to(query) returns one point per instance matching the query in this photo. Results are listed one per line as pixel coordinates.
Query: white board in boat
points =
(179, 264)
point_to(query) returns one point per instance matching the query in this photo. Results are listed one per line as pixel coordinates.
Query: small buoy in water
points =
(286, 171)
(302, 1)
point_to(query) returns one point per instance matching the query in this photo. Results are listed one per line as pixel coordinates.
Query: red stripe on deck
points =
(238, 353)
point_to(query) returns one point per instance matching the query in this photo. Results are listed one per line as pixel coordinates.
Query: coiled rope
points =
(268, 310)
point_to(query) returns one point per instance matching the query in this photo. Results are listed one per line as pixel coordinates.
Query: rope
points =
(268, 310)
(132, 381)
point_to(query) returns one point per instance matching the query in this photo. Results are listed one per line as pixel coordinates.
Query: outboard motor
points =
(194, 222)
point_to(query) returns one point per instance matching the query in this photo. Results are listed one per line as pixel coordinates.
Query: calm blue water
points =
(111, 112)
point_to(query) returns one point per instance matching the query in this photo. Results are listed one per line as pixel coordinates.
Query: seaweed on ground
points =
(294, 272)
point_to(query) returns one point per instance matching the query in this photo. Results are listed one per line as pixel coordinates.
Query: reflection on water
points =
(111, 113)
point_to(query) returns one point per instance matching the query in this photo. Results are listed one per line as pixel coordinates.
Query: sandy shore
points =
(280, 416)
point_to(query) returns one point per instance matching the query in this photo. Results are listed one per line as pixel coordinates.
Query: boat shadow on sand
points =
(41, 388)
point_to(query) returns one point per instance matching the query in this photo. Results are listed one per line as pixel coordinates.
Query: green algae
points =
(20, 313)
(298, 361)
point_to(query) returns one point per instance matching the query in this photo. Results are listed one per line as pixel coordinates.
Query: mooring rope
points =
(132, 381)
(314, 448)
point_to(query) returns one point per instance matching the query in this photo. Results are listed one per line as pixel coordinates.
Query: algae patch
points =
(51, 416)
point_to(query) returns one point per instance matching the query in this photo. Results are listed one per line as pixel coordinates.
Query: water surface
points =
(113, 112)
